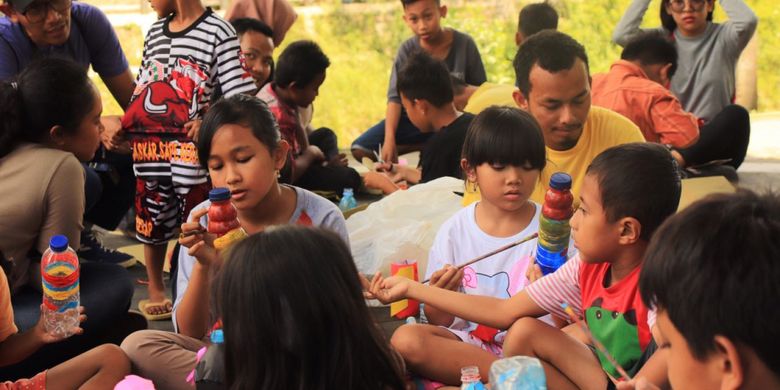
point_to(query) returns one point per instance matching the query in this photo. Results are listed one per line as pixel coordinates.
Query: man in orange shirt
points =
(636, 87)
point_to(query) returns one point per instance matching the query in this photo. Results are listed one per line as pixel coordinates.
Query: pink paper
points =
(134, 382)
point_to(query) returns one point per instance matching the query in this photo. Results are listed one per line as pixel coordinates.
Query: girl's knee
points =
(409, 340)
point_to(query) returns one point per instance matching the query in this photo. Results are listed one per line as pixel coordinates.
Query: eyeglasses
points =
(37, 11)
(679, 5)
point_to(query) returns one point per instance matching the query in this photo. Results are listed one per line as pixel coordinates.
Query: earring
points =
(278, 174)
(471, 186)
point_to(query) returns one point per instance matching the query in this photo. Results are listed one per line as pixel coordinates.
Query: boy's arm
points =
(494, 312)
(392, 117)
(389, 151)
(121, 87)
(448, 278)
(303, 161)
(489, 311)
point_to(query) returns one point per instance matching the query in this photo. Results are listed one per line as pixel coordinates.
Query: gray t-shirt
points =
(463, 61)
(705, 77)
(319, 210)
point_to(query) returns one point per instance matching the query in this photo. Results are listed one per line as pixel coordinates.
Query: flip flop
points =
(145, 303)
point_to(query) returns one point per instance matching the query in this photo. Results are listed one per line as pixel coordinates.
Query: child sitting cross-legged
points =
(503, 155)
(314, 159)
(712, 273)
(425, 87)
(241, 147)
(627, 193)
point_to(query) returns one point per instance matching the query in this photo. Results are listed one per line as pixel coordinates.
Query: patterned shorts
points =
(169, 182)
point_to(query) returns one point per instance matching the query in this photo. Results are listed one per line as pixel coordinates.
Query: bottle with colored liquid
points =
(470, 378)
(347, 200)
(223, 219)
(60, 282)
(554, 230)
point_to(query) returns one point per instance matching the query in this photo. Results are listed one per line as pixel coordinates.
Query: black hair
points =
(638, 180)
(42, 96)
(241, 110)
(714, 269)
(243, 25)
(294, 316)
(651, 48)
(506, 136)
(300, 62)
(551, 50)
(409, 2)
(537, 17)
(423, 77)
(667, 21)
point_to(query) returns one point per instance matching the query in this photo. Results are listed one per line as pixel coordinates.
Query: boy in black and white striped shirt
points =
(187, 53)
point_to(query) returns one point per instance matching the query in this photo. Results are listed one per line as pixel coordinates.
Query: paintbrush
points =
(497, 251)
(596, 342)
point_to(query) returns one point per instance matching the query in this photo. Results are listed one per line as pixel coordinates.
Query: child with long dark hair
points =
(242, 149)
(43, 136)
(294, 316)
(503, 155)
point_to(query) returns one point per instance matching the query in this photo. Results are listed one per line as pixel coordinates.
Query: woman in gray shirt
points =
(708, 52)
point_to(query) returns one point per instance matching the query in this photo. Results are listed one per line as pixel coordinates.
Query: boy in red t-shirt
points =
(627, 193)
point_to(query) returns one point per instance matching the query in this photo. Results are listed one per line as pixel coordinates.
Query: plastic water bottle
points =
(347, 200)
(60, 280)
(554, 229)
(470, 379)
(518, 373)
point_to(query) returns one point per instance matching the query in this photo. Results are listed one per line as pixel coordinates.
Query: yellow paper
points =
(230, 238)
(396, 307)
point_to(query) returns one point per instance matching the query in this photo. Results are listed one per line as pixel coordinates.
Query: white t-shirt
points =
(502, 275)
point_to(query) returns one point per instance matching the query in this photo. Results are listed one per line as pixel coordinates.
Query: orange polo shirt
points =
(626, 90)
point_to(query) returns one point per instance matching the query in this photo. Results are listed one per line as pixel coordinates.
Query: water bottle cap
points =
(217, 337)
(348, 191)
(218, 194)
(58, 243)
(560, 181)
